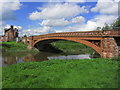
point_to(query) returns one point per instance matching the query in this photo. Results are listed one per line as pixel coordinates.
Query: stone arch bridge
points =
(105, 42)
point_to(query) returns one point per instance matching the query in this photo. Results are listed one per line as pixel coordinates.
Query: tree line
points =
(114, 25)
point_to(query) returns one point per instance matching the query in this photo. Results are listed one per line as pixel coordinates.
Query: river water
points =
(13, 58)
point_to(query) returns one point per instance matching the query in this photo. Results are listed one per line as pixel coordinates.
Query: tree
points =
(25, 35)
(116, 23)
(106, 27)
(98, 28)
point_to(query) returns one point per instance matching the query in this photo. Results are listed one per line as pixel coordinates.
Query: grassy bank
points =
(70, 47)
(67, 47)
(93, 73)
(15, 47)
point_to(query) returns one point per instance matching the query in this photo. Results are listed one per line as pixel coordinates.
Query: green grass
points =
(87, 73)
(72, 47)
(15, 47)
(0, 77)
(67, 47)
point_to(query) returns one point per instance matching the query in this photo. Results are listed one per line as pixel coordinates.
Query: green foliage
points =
(113, 25)
(106, 27)
(87, 73)
(14, 44)
(25, 35)
(116, 23)
(0, 77)
(15, 47)
(116, 59)
(72, 47)
(98, 28)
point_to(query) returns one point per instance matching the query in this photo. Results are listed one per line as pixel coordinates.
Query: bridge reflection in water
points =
(42, 56)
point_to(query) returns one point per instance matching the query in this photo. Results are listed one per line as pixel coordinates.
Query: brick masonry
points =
(110, 48)
(10, 34)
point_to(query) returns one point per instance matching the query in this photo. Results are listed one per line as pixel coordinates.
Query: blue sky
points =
(23, 13)
(35, 18)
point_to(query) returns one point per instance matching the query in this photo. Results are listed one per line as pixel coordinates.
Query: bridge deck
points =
(114, 33)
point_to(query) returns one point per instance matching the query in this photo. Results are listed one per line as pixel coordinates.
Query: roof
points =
(15, 29)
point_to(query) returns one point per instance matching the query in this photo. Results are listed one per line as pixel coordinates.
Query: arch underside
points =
(82, 41)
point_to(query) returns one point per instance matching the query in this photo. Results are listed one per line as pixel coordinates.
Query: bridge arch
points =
(85, 42)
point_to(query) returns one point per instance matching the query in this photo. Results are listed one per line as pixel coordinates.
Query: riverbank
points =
(69, 47)
(15, 47)
(87, 73)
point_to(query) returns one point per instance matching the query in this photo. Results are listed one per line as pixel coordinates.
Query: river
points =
(13, 58)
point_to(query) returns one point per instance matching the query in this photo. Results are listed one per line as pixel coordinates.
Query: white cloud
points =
(80, 1)
(75, 0)
(58, 11)
(62, 22)
(78, 19)
(102, 19)
(45, 29)
(106, 7)
(7, 8)
(90, 25)
(116, 0)
(8, 26)
(98, 21)
(37, 31)
(55, 22)
(2, 24)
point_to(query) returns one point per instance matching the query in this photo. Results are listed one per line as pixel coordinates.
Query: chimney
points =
(11, 26)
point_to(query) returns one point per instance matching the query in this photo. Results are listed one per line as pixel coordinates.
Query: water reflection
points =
(29, 58)
(10, 58)
(70, 57)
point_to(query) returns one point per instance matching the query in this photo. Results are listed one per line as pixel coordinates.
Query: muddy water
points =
(13, 58)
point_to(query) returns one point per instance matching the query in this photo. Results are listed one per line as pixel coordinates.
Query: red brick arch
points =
(105, 42)
(85, 42)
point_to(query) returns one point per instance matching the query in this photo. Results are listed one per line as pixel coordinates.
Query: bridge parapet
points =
(114, 33)
(111, 33)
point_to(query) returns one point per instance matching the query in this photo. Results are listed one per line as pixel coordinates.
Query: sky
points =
(43, 17)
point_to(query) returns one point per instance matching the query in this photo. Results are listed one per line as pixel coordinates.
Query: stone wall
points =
(110, 48)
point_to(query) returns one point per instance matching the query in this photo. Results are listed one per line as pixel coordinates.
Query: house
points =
(10, 34)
